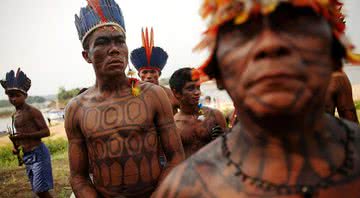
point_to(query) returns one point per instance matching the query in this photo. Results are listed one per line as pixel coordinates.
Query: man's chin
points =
(276, 104)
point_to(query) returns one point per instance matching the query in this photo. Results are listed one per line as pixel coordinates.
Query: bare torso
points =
(24, 123)
(116, 138)
(195, 129)
(121, 142)
(208, 173)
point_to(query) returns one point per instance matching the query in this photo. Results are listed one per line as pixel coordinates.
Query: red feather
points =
(95, 5)
(148, 42)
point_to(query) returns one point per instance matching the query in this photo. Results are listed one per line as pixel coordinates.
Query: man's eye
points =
(101, 42)
(121, 41)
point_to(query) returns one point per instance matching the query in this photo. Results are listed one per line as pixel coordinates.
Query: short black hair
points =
(179, 78)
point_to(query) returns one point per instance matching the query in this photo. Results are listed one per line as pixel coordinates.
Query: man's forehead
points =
(108, 31)
(148, 70)
(14, 92)
(193, 82)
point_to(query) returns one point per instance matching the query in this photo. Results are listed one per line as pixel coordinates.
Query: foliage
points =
(357, 104)
(7, 159)
(5, 103)
(35, 99)
(29, 100)
(65, 95)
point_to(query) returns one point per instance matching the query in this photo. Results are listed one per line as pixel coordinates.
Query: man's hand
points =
(16, 137)
(15, 151)
(216, 132)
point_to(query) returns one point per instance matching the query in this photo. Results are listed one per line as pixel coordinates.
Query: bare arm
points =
(78, 158)
(169, 137)
(344, 101)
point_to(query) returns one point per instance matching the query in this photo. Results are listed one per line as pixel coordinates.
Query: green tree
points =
(4, 103)
(35, 99)
(65, 95)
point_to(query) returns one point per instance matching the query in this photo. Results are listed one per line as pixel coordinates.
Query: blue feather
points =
(87, 18)
(158, 58)
(20, 81)
(138, 58)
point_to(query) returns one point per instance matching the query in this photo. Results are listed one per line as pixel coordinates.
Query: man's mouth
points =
(115, 62)
(279, 76)
(196, 98)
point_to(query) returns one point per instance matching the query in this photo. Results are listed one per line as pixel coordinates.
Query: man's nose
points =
(114, 49)
(270, 46)
(197, 92)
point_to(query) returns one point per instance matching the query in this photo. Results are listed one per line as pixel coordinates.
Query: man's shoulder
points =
(209, 156)
(184, 178)
(33, 109)
(150, 88)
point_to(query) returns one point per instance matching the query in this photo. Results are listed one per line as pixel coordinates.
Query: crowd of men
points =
(281, 63)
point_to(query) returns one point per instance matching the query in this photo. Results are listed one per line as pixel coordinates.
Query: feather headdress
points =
(220, 12)
(148, 56)
(19, 82)
(97, 14)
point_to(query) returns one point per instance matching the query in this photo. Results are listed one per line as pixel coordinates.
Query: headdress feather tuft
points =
(219, 12)
(97, 14)
(148, 56)
(18, 82)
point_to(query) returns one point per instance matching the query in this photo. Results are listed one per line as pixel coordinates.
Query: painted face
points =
(150, 75)
(279, 64)
(108, 51)
(16, 98)
(190, 93)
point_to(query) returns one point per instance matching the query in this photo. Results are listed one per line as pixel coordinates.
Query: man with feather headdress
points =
(113, 126)
(149, 61)
(28, 127)
(275, 59)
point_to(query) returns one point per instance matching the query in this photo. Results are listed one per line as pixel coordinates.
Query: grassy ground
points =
(14, 182)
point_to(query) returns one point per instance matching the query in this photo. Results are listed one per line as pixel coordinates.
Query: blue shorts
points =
(38, 169)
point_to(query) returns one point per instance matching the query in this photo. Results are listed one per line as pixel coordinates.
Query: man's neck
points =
(189, 109)
(112, 84)
(280, 131)
(21, 107)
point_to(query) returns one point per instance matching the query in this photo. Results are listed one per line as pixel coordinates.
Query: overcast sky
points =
(40, 37)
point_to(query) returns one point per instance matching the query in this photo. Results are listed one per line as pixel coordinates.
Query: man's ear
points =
(176, 94)
(85, 55)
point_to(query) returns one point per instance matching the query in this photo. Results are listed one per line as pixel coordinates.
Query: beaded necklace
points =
(307, 191)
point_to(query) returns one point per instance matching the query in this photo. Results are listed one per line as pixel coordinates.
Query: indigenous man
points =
(113, 126)
(198, 125)
(30, 127)
(149, 62)
(275, 59)
(339, 96)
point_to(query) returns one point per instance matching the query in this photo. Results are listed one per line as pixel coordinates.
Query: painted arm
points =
(169, 137)
(78, 156)
(220, 127)
(344, 101)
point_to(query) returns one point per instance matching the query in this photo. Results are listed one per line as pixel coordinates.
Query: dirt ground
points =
(15, 184)
(56, 130)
